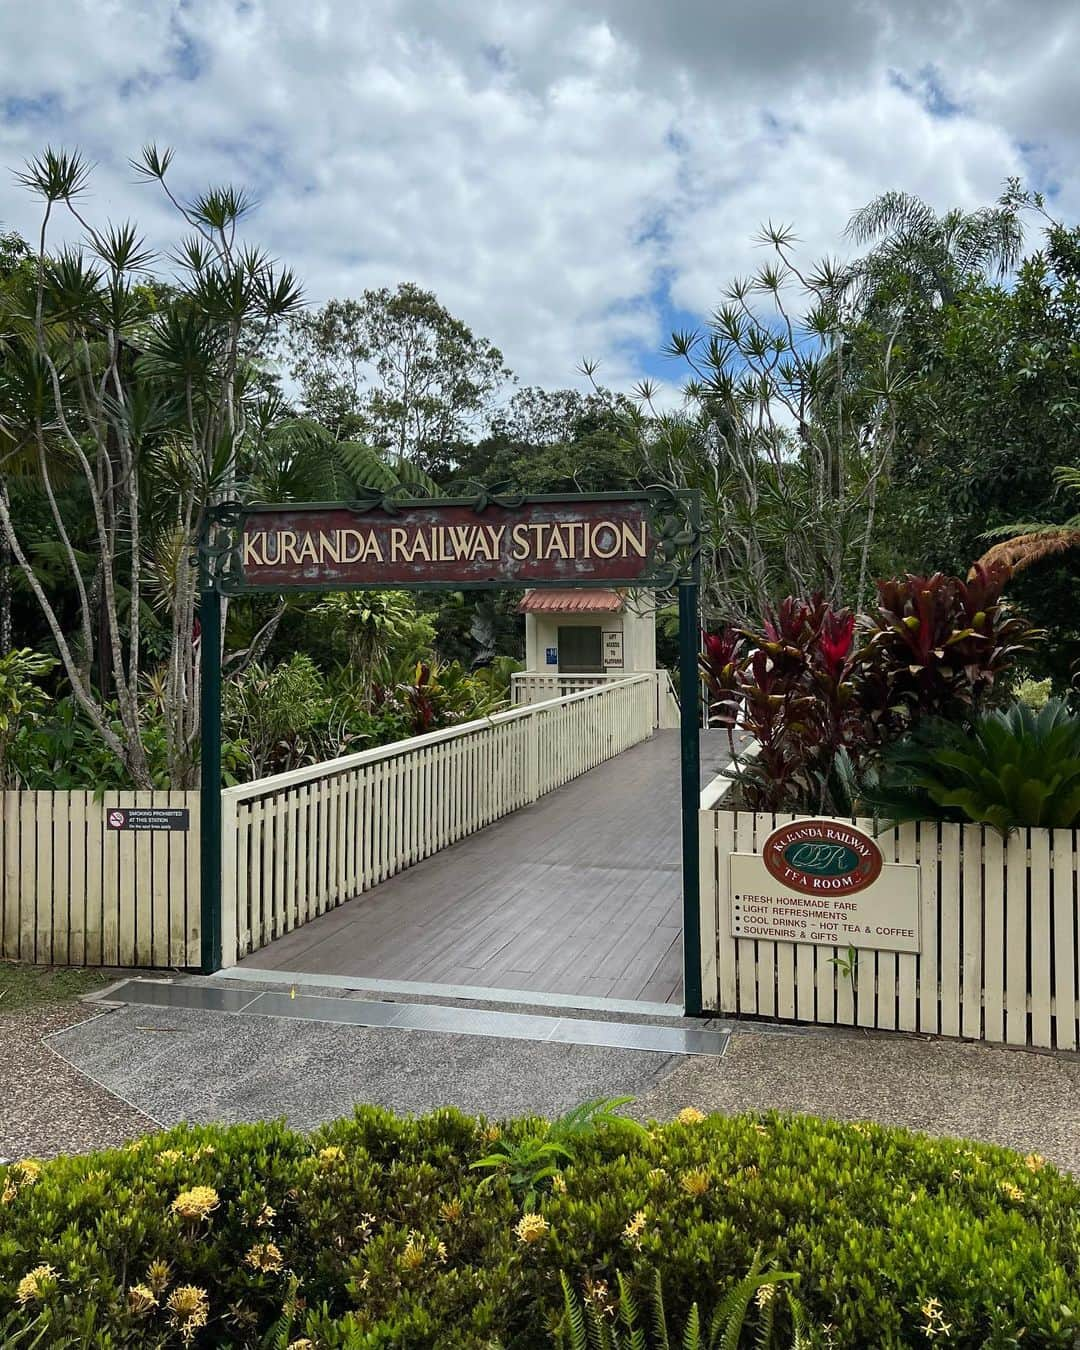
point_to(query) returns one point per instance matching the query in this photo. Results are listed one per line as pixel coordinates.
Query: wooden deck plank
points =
(577, 893)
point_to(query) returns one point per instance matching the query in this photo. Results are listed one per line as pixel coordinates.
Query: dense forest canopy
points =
(892, 412)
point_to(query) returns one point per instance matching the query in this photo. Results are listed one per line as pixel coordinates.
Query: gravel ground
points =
(46, 1106)
(1020, 1098)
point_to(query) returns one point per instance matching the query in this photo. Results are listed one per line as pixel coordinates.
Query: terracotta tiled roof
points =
(581, 601)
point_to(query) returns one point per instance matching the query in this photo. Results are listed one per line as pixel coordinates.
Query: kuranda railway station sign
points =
(609, 540)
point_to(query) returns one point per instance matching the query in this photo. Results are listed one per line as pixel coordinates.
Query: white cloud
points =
(545, 167)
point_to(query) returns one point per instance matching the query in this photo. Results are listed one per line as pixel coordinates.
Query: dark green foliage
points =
(988, 412)
(383, 1236)
(1006, 769)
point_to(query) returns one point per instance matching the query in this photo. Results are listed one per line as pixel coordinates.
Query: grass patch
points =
(24, 986)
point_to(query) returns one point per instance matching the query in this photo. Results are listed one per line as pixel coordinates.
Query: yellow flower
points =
(761, 1129)
(1011, 1191)
(935, 1324)
(331, 1155)
(189, 1309)
(1034, 1162)
(634, 1229)
(418, 1249)
(450, 1211)
(32, 1285)
(265, 1256)
(197, 1203)
(159, 1276)
(265, 1216)
(9, 1193)
(169, 1155)
(141, 1300)
(690, 1115)
(491, 1134)
(765, 1295)
(695, 1183)
(302, 1344)
(28, 1171)
(656, 1176)
(531, 1228)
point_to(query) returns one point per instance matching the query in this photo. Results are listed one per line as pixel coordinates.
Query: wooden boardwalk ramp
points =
(576, 894)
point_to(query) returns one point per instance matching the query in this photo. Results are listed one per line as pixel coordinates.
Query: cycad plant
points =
(1007, 769)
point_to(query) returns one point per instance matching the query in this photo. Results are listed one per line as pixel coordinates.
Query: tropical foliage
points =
(820, 690)
(889, 414)
(1006, 768)
(378, 1231)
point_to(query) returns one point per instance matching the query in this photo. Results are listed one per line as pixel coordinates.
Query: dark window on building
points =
(581, 651)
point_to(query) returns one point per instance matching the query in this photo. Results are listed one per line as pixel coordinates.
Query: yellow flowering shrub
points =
(378, 1231)
(198, 1203)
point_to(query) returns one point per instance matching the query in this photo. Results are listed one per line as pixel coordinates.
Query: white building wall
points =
(637, 626)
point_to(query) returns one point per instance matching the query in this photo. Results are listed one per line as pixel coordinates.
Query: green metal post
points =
(210, 769)
(690, 743)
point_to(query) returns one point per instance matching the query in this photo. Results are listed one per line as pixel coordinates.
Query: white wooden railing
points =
(532, 686)
(298, 844)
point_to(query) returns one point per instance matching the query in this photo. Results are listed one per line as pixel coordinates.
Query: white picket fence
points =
(1000, 939)
(73, 892)
(298, 844)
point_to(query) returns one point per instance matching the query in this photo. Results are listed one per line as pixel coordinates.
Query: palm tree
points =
(917, 254)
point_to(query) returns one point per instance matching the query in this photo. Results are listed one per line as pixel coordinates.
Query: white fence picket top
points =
(297, 844)
(73, 892)
(1000, 938)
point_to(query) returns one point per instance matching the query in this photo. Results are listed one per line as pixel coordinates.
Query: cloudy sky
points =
(571, 177)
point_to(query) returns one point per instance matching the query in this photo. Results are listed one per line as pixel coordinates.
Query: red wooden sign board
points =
(570, 542)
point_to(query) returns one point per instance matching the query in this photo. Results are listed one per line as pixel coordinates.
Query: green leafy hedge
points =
(378, 1232)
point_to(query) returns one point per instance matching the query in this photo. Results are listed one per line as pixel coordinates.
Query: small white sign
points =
(613, 649)
(884, 915)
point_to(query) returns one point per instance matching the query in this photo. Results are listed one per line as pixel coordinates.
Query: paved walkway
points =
(579, 893)
(184, 1063)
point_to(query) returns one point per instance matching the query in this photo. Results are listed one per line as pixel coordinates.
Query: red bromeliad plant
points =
(937, 646)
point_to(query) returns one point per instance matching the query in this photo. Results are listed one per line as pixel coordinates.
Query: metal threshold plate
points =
(454, 1021)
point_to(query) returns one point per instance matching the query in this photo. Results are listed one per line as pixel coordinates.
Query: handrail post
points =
(532, 758)
(229, 927)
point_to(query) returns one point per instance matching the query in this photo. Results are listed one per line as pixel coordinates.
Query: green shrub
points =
(378, 1232)
(1007, 769)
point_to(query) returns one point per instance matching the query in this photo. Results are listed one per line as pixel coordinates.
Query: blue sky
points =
(572, 179)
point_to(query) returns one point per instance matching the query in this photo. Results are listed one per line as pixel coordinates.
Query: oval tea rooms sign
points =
(822, 857)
